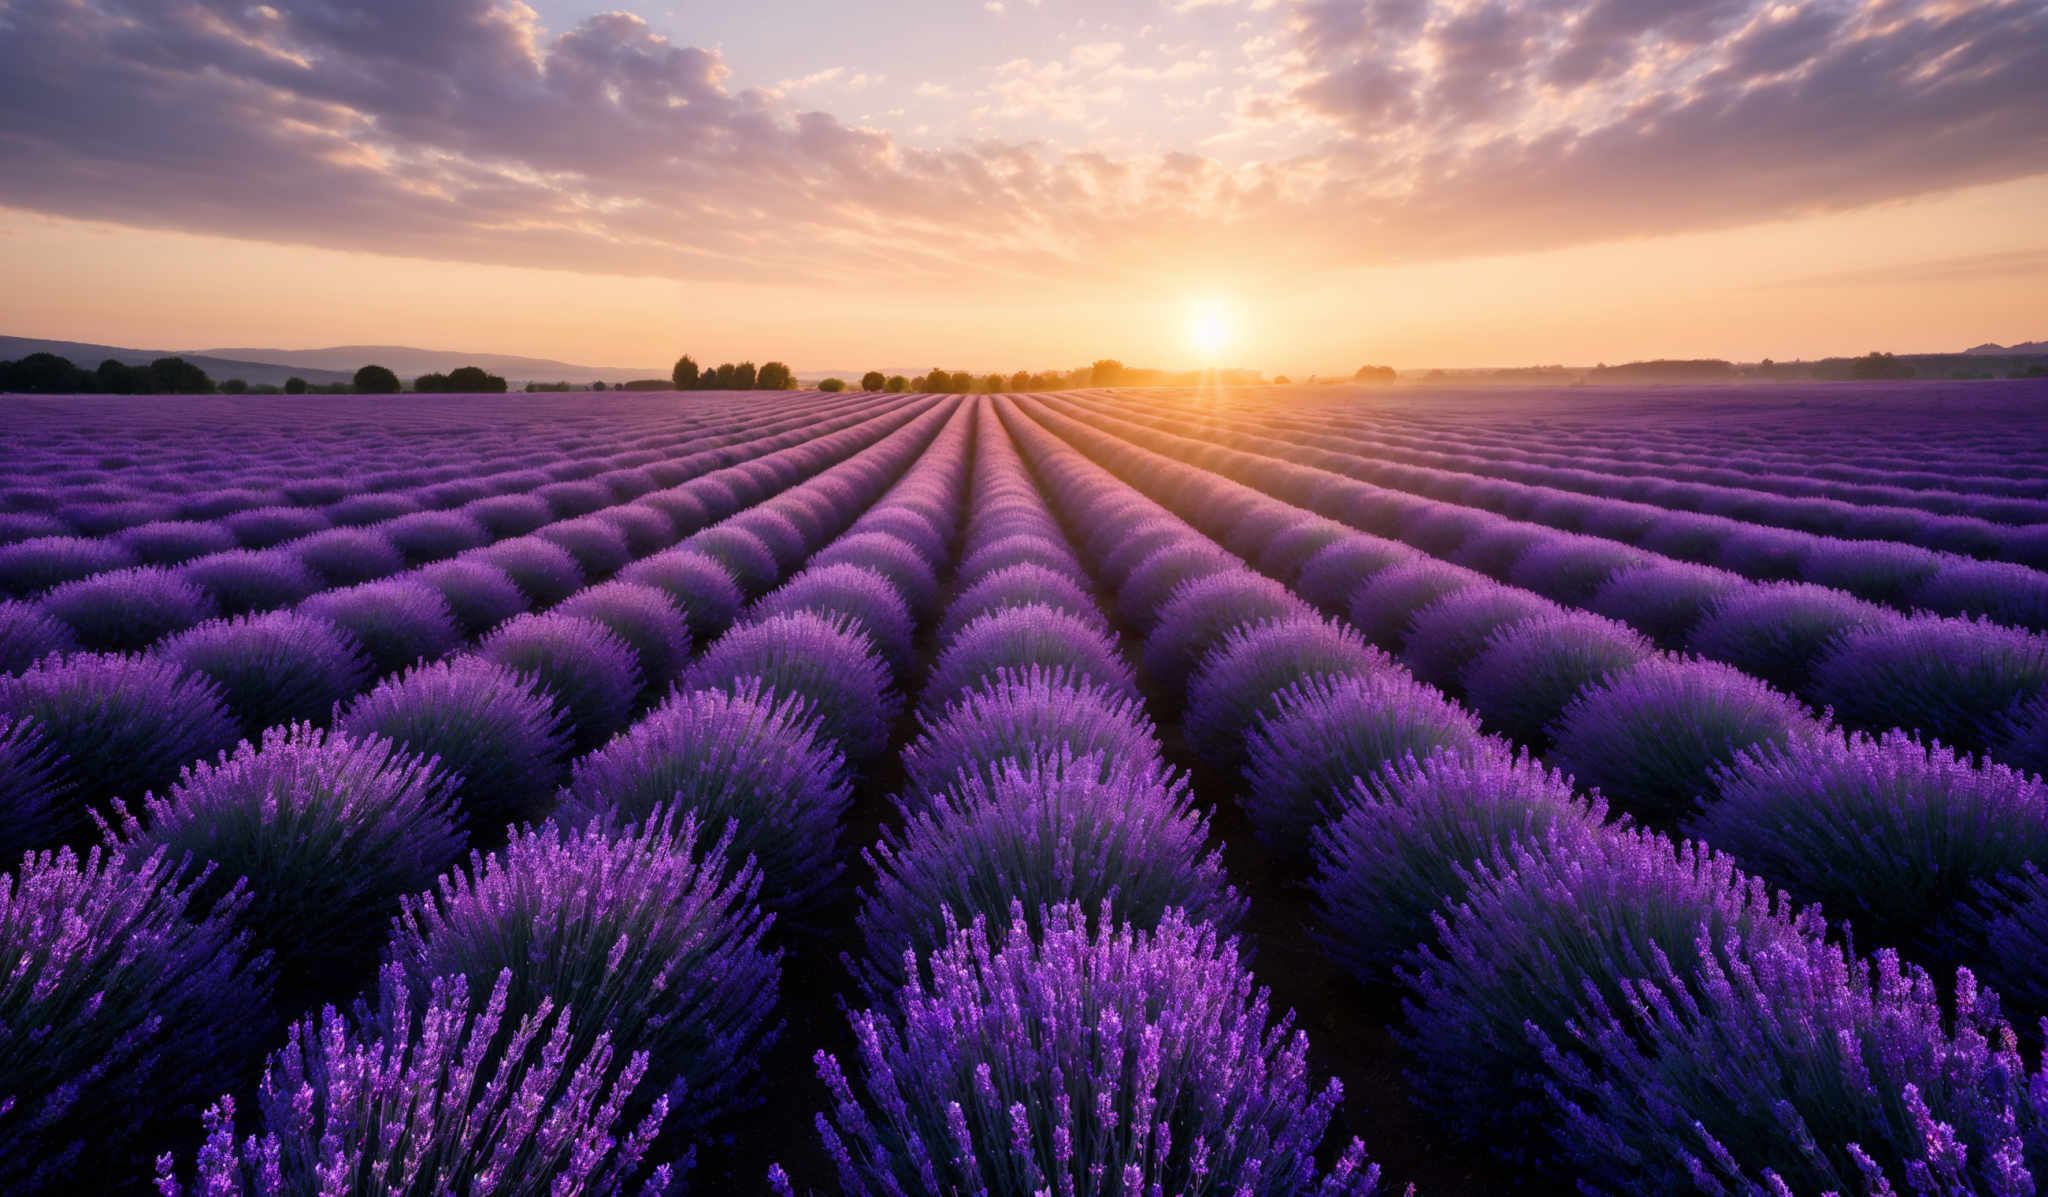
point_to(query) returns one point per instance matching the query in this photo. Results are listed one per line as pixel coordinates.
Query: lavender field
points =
(1273, 791)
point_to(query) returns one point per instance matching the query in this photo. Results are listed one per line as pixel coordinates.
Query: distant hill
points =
(2023, 349)
(218, 367)
(409, 362)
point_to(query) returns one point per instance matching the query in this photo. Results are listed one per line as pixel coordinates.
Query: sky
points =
(1295, 186)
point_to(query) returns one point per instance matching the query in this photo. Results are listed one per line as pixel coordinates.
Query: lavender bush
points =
(125, 610)
(698, 585)
(581, 664)
(1019, 638)
(821, 660)
(647, 620)
(274, 668)
(1242, 678)
(396, 622)
(1947, 679)
(28, 634)
(33, 810)
(1023, 714)
(1528, 674)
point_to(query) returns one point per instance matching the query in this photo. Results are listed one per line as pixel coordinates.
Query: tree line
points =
(51, 374)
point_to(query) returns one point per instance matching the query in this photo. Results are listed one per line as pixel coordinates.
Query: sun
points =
(1210, 327)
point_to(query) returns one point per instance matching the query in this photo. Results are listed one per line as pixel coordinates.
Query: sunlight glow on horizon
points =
(1211, 327)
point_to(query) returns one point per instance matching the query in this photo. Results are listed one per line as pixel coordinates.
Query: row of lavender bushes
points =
(1972, 684)
(1593, 1001)
(375, 811)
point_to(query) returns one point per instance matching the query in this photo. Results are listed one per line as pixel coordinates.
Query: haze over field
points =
(1288, 185)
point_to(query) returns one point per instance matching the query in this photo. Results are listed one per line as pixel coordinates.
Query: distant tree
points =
(376, 380)
(475, 380)
(723, 378)
(234, 386)
(685, 373)
(176, 376)
(1020, 381)
(46, 374)
(774, 376)
(744, 377)
(1282, 379)
(432, 384)
(1876, 366)
(120, 378)
(1106, 373)
(295, 385)
(896, 385)
(873, 380)
(832, 384)
(1374, 374)
(598, 385)
(994, 384)
(648, 384)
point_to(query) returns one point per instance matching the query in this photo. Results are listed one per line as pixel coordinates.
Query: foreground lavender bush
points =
(1043, 831)
(1385, 607)
(435, 1100)
(751, 759)
(1326, 731)
(479, 595)
(894, 560)
(1791, 1068)
(643, 931)
(243, 581)
(647, 620)
(1887, 833)
(700, 586)
(119, 1014)
(397, 621)
(1666, 600)
(128, 609)
(2023, 739)
(1015, 586)
(819, 659)
(1445, 636)
(1403, 842)
(1201, 612)
(503, 740)
(1778, 632)
(1546, 932)
(1242, 678)
(857, 593)
(744, 555)
(2007, 924)
(273, 668)
(31, 566)
(1650, 737)
(1020, 638)
(1088, 1062)
(1023, 714)
(125, 724)
(328, 832)
(543, 570)
(1529, 673)
(1948, 679)
(32, 790)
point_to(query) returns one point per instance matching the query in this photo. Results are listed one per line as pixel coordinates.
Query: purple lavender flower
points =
(584, 666)
(396, 621)
(570, 499)
(856, 593)
(598, 547)
(1789, 1067)
(359, 510)
(32, 566)
(1336, 572)
(28, 634)
(480, 596)
(697, 584)
(427, 536)
(121, 1009)
(1017, 586)
(1385, 608)
(819, 659)
(171, 542)
(545, 571)
(643, 931)
(328, 832)
(777, 532)
(1765, 553)
(1546, 932)
(1113, 1060)
(1667, 599)
(2002, 591)
(243, 581)
(125, 724)
(1527, 674)
(646, 530)
(1152, 581)
(1947, 679)
(1888, 833)
(1877, 570)
(1018, 638)
(1287, 553)
(1025, 548)
(893, 559)
(1403, 841)
(1326, 731)
(1202, 611)
(128, 609)
(489, 727)
(435, 1099)
(509, 515)
(1445, 637)
(743, 554)
(909, 527)
(275, 668)
(265, 527)
(1651, 736)
(1778, 632)
(1021, 715)
(346, 556)
(32, 789)
(1243, 677)
(647, 620)
(749, 759)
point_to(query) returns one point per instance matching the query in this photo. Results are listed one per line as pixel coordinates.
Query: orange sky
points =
(1471, 186)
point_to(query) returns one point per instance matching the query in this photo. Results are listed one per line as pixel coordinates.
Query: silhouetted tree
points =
(598, 385)
(1374, 374)
(432, 384)
(376, 380)
(685, 373)
(896, 385)
(873, 380)
(120, 378)
(774, 376)
(475, 380)
(832, 384)
(1876, 366)
(176, 376)
(993, 383)
(743, 377)
(722, 378)
(294, 385)
(1106, 373)
(234, 386)
(46, 374)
